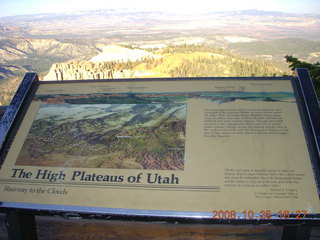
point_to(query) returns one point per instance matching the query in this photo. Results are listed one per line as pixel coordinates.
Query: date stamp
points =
(262, 214)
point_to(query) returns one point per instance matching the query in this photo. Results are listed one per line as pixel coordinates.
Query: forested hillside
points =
(172, 61)
(206, 61)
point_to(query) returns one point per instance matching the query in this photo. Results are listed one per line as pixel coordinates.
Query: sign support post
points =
(21, 226)
(292, 232)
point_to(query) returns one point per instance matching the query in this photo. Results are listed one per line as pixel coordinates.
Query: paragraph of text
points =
(227, 122)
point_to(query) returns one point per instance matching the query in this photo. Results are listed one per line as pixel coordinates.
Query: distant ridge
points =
(135, 25)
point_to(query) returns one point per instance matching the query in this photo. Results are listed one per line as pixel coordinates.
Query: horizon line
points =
(136, 10)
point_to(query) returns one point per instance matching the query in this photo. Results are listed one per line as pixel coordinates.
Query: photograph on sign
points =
(137, 136)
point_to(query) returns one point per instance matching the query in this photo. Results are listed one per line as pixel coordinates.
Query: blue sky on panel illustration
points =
(20, 7)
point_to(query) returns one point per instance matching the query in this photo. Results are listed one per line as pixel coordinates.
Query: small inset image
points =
(122, 136)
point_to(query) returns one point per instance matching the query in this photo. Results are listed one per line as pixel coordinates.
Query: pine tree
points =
(314, 70)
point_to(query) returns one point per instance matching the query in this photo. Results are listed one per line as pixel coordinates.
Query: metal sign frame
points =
(309, 110)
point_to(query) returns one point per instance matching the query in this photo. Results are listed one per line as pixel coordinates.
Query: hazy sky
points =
(17, 7)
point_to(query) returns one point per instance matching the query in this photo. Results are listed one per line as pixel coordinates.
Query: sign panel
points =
(198, 146)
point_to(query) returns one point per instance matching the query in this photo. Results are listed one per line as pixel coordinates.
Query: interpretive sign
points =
(164, 146)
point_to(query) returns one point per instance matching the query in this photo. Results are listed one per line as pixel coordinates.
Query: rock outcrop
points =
(79, 71)
(89, 70)
(105, 65)
(122, 54)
